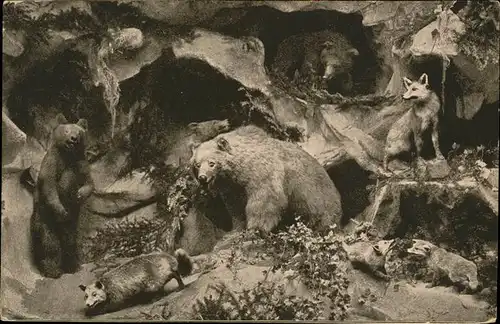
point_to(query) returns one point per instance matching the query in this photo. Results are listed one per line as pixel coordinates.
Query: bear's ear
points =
(327, 44)
(353, 52)
(83, 123)
(99, 285)
(223, 145)
(60, 119)
(82, 287)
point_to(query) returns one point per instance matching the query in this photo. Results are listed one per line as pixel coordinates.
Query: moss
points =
(481, 41)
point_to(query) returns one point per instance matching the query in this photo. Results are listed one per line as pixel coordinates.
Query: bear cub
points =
(64, 183)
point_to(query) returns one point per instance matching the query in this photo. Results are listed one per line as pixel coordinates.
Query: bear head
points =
(69, 137)
(335, 60)
(208, 160)
(95, 294)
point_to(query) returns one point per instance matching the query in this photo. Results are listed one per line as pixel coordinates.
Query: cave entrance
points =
(272, 26)
(482, 129)
(179, 92)
(60, 83)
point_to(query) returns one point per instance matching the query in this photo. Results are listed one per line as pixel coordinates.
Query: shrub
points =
(317, 260)
(482, 23)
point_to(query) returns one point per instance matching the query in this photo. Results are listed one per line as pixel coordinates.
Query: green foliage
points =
(482, 23)
(471, 162)
(24, 16)
(267, 301)
(128, 238)
(317, 260)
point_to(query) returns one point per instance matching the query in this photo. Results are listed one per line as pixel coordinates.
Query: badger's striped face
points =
(94, 294)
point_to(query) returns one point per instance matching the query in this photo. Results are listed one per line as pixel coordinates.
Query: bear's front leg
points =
(265, 210)
(52, 196)
(86, 190)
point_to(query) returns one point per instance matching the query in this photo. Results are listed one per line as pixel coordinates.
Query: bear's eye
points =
(86, 296)
(211, 164)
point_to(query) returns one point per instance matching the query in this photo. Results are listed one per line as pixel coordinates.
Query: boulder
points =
(13, 42)
(118, 198)
(402, 301)
(437, 210)
(13, 140)
(442, 37)
(493, 177)
(240, 59)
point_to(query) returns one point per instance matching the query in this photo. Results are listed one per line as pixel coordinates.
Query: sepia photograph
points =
(216, 160)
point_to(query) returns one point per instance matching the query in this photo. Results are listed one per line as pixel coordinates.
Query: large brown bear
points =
(265, 181)
(64, 182)
(317, 58)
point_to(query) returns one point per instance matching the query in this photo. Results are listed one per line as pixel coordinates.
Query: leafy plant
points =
(471, 162)
(482, 24)
(317, 260)
(128, 238)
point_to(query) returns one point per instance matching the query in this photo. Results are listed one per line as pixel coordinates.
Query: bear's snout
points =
(202, 179)
(73, 139)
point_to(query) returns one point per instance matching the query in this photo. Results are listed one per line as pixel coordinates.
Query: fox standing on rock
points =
(423, 114)
(148, 273)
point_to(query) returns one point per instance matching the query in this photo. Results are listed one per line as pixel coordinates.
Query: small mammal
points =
(264, 181)
(148, 273)
(424, 113)
(369, 256)
(461, 272)
(64, 183)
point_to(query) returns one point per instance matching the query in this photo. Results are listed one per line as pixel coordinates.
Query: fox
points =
(424, 113)
(455, 269)
(149, 273)
(365, 255)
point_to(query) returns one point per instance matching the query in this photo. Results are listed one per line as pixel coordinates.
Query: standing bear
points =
(317, 58)
(64, 182)
(266, 182)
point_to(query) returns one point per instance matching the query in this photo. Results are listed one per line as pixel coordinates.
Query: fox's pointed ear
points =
(82, 287)
(424, 79)
(407, 82)
(99, 285)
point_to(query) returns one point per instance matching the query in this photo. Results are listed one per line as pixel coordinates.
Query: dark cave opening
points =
(179, 92)
(467, 229)
(351, 181)
(482, 129)
(272, 26)
(60, 83)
